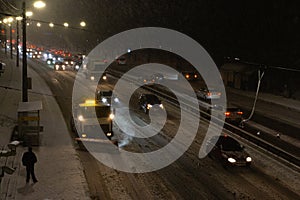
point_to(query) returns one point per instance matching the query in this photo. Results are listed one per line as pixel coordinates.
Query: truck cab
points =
(89, 115)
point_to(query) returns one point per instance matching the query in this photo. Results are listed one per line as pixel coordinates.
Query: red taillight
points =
(240, 113)
(227, 113)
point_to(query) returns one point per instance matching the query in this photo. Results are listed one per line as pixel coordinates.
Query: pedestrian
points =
(28, 160)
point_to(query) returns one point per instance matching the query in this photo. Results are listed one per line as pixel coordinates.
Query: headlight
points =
(248, 159)
(64, 67)
(161, 106)
(111, 116)
(149, 106)
(56, 67)
(104, 77)
(104, 100)
(67, 62)
(80, 118)
(108, 134)
(231, 160)
(116, 100)
(77, 67)
(92, 78)
(72, 62)
(84, 66)
(83, 135)
(48, 62)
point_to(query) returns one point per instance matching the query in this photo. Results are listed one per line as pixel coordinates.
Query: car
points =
(234, 114)
(191, 75)
(208, 94)
(228, 151)
(50, 61)
(149, 101)
(59, 66)
(121, 60)
(107, 97)
(2, 67)
(77, 65)
(68, 62)
(147, 80)
(157, 77)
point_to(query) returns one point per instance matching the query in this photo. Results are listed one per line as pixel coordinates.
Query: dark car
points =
(232, 114)
(77, 65)
(59, 66)
(191, 76)
(149, 101)
(107, 97)
(228, 151)
(68, 62)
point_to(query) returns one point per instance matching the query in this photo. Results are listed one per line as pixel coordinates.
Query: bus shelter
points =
(29, 122)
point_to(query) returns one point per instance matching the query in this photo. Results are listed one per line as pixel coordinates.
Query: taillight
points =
(209, 94)
(227, 113)
(240, 113)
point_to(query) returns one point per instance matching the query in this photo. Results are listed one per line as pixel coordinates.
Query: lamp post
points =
(38, 4)
(24, 56)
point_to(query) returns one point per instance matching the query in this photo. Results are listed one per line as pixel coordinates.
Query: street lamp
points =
(38, 4)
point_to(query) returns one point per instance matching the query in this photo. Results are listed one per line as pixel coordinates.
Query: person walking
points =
(28, 160)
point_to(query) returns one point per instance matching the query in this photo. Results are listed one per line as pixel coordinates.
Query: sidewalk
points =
(59, 171)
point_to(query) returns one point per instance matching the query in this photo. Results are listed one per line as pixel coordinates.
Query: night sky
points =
(257, 31)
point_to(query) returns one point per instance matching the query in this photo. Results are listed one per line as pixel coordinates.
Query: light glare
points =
(29, 13)
(39, 4)
(83, 24)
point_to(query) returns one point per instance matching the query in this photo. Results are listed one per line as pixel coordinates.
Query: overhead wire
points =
(12, 6)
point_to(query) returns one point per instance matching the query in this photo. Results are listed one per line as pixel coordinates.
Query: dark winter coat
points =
(29, 158)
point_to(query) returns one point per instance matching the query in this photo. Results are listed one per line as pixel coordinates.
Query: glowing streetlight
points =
(19, 18)
(10, 20)
(82, 24)
(51, 25)
(66, 24)
(39, 4)
(29, 14)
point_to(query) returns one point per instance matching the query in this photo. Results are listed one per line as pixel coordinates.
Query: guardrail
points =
(248, 136)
